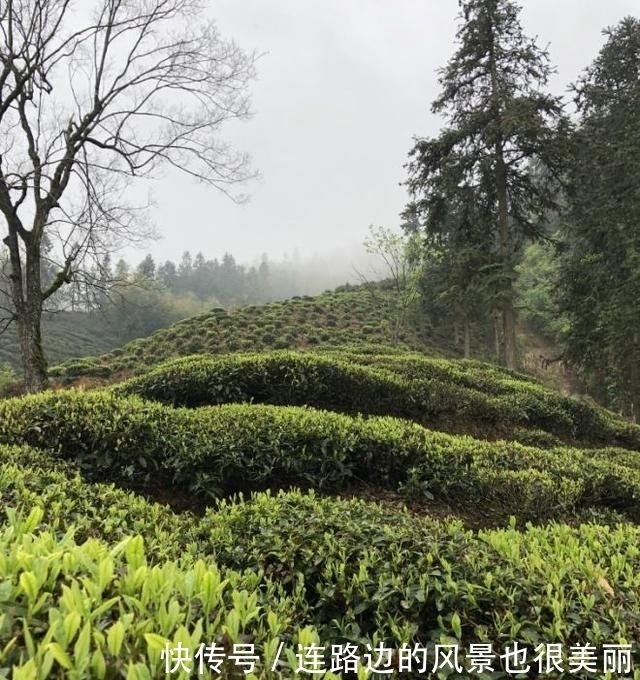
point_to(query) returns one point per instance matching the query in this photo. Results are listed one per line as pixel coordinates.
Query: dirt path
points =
(540, 358)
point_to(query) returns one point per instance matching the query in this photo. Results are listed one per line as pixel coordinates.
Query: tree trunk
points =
(508, 315)
(33, 361)
(509, 328)
(467, 339)
(29, 327)
(496, 334)
(504, 235)
(26, 295)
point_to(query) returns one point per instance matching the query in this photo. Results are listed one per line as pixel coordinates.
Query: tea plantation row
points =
(288, 568)
(215, 451)
(454, 396)
(366, 314)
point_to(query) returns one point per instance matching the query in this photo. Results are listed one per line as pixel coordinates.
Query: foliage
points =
(352, 571)
(397, 252)
(600, 286)
(538, 273)
(103, 611)
(215, 451)
(449, 395)
(30, 477)
(342, 317)
(7, 379)
(474, 185)
(133, 305)
(95, 580)
(401, 257)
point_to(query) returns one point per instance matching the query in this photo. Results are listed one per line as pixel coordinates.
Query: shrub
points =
(360, 572)
(103, 611)
(225, 449)
(433, 392)
(7, 379)
(372, 571)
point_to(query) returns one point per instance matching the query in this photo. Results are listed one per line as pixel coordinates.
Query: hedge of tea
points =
(454, 396)
(31, 477)
(518, 398)
(215, 451)
(362, 315)
(104, 611)
(288, 568)
(283, 378)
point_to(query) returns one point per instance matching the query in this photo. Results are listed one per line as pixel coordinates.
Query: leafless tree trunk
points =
(86, 106)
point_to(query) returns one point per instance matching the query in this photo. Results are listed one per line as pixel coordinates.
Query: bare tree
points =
(400, 255)
(87, 103)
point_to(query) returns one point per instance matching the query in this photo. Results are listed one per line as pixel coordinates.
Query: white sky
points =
(342, 88)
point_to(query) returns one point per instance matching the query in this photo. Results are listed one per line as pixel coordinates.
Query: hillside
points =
(65, 335)
(364, 314)
(300, 480)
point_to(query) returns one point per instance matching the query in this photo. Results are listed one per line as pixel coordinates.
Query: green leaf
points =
(60, 655)
(29, 585)
(70, 626)
(156, 642)
(98, 665)
(115, 638)
(456, 625)
(81, 648)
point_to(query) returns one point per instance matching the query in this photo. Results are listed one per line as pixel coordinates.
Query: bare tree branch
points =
(87, 103)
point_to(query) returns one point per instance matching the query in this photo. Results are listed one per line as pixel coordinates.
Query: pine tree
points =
(600, 273)
(477, 175)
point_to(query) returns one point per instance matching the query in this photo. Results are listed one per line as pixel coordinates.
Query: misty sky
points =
(343, 86)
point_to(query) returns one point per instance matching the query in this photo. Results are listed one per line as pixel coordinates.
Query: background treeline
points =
(114, 303)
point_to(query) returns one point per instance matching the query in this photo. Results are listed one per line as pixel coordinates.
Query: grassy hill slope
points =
(65, 335)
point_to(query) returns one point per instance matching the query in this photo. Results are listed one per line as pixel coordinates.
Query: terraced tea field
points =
(251, 513)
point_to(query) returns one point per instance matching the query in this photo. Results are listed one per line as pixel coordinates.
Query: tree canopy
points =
(475, 183)
(600, 272)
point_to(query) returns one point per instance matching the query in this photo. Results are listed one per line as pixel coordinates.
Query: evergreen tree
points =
(168, 276)
(147, 268)
(202, 277)
(476, 177)
(600, 273)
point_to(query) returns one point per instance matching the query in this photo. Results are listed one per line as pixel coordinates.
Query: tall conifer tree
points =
(500, 123)
(600, 272)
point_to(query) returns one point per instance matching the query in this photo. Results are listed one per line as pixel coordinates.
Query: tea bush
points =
(8, 379)
(220, 450)
(30, 477)
(350, 312)
(349, 571)
(103, 611)
(370, 570)
(284, 378)
(517, 397)
(447, 395)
